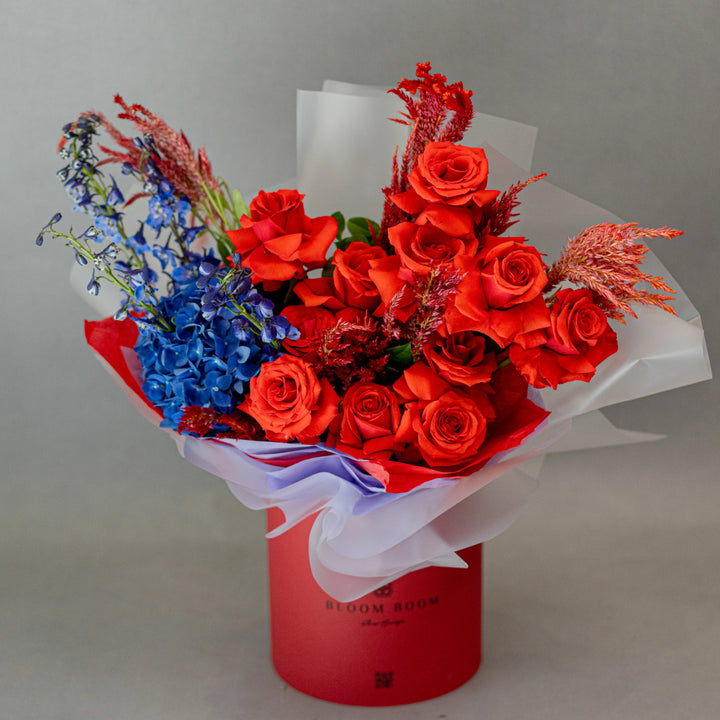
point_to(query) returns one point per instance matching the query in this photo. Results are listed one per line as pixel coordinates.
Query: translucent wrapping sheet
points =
(362, 537)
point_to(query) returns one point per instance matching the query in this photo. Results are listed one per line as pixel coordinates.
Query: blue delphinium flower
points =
(85, 183)
(114, 197)
(137, 241)
(161, 208)
(107, 224)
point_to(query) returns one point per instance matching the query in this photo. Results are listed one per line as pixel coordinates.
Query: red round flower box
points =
(414, 639)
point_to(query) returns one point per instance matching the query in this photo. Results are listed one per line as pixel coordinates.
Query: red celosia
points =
(175, 159)
(197, 420)
(206, 422)
(427, 116)
(500, 215)
(350, 352)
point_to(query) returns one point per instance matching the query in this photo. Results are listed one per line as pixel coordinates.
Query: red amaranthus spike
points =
(197, 420)
(432, 293)
(206, 422)
(428, 101)
(500, 214)
(350, 352)
(605, 258)
(175, 159)
(240, 426)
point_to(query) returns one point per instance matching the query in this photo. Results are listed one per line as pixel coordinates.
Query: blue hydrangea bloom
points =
(201, 362)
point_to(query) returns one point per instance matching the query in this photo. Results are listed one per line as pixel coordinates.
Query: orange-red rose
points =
(578, 340)
(444, 425)
(393, 281)
(311, 322)
(455, 221)
(449, 174)
(290, 402)
(370, 418)
(421, 247)
(350, 285)
(285, 206)
(522, 322)
(441, 425)
(512, 273)
(353, 284)
(278, 241)
(460, 358)
(450, 431)
(575, 322)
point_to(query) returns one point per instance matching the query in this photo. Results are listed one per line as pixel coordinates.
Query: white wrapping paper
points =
(363, 538)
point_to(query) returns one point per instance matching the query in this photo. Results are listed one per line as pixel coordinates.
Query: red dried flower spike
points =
(428, 101)
(605, 258)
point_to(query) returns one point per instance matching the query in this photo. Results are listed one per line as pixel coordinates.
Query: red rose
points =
(351, 279)
(449, 431)
(278, 241)
(392, 280)
(351, 284)
(432, 409)
(512, 273)
(460, 358)
(284, 206)
(522, 323)
(289, 402)
(578, 340)
(421, 247)
(370, 418)
(311, 322)
(449, 174)
(438, 426)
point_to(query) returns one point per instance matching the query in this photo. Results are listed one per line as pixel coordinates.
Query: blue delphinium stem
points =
(137, 284)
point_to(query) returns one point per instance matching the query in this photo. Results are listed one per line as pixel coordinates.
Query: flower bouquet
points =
(378, 396)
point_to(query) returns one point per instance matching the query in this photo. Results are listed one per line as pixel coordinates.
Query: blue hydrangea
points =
(202, 362)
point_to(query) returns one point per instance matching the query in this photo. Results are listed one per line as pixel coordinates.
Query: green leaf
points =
(223, 201)
(239, 206)
(401, 355)
(362, 226)
(341, 223)
(343, 244)
(225, 249)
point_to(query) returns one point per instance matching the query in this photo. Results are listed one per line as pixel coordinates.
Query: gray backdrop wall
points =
(131, 585)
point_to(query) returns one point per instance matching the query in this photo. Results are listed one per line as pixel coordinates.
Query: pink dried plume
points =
(176, 162)
(605, 258)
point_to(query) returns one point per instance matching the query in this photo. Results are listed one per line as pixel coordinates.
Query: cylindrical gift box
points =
(414, 639)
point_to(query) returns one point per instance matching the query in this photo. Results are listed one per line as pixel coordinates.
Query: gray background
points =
(131, 584)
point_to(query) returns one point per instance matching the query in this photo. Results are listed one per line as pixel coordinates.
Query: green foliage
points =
(225, 249)
(340, 218)
(401, 356)
(361, 230)
(238, 204)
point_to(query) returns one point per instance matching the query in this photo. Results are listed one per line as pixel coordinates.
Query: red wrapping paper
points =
(414, 639)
